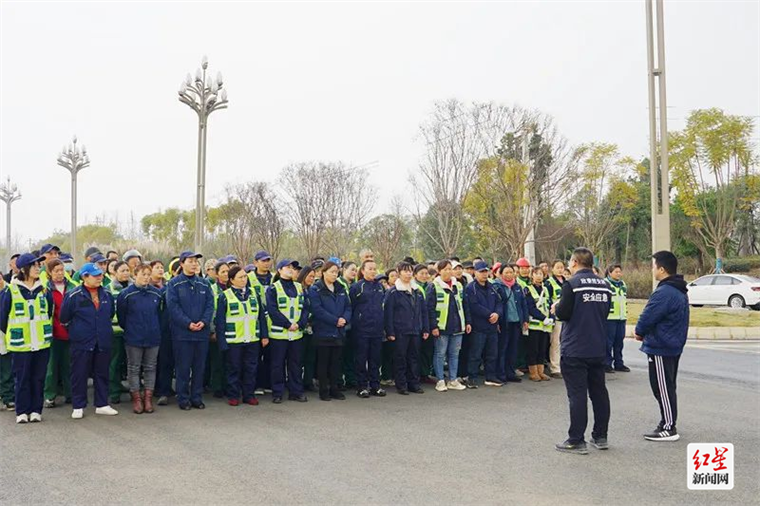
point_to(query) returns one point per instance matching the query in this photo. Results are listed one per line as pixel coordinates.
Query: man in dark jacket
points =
(662, 328)
(483, 308)
(583, 307)
(190, 302)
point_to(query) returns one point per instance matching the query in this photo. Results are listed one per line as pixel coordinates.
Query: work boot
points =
(541, 374)
(148, 401)
(533, 371)
(137, 403)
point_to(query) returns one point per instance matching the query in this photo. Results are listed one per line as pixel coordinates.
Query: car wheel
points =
(697, 305)
(756, 307)
(736, 301)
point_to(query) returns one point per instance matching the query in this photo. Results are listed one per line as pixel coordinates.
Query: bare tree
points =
(386, 234)
(250, 219)
(328, 203)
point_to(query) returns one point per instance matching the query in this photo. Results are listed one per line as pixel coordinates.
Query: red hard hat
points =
(496, 267)
(523, 262)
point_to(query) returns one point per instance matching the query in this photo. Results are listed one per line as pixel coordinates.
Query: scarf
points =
(509, 284)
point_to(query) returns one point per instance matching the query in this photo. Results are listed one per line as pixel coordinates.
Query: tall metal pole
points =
(530, 240)
(204, 96)
(9, 194)
(658, 158)
(74, 159)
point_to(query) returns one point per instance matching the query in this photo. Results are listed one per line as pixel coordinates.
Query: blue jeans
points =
(483, 347)
(507, 359)
(447, 345)
(615, 338)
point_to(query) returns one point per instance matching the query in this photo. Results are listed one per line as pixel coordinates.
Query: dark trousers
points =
(427, 350)
(264, 376)
(405, 360)
(585, 377)
(464, 357)
(347, 359)
(58, 377)
(522, 347)
(86, 364)
(29, 369)
(507, 356)
(286, 354)
(309, 360)
(387, 371)
(165, 371)
(367, 353)
(538, 345)
(663, 372)
(190, 362)
(6, 379)
(217, 368)
(483, 347)
(117, 367)
(615, 339)
(242, 366)
(329, 365)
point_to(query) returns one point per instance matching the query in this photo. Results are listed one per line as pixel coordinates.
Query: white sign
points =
(710, 466)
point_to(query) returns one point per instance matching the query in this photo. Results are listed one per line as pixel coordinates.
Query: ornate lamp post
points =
(74, 158)
(203, 95)
(9, 194)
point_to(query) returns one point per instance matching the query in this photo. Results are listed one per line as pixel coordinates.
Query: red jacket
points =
(59, 330)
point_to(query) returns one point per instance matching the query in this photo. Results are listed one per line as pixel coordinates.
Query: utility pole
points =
(658, 161)
(530, 241)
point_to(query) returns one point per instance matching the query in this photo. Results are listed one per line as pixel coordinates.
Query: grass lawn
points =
(707, 316)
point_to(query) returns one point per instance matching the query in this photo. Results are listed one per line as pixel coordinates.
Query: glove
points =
(548, 321)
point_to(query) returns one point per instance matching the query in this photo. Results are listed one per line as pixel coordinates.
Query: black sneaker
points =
(199, 405)
(298, 398)
(514, 379)
(378, 392)
(402, 391)
(277, 400)
(471, 385)
(568, 447)
(663, 435)
(600, 443)
(338, 396)
(609, 370)
(623, 368)
(184, 407)
(417, 390)
(364, 394)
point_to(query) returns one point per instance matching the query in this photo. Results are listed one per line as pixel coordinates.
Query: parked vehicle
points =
(733, 290)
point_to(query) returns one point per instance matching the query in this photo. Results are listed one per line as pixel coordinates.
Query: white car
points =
(733, 290)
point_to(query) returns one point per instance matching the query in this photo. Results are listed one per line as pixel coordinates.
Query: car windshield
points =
(748, 279)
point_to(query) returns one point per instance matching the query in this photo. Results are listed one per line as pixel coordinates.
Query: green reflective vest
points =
(258, 287)
(542, 303)
(556, 288)
(422, 289)
(117, 331)
(442, 298)
(29, 325)
(291, 308)
(241, 319)
(522, 283)
(344, 283)
(619, 307)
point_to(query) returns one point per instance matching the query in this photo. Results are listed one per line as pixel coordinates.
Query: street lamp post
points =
(658, 162)
(9, 194)
(74, 158)
(203, 95)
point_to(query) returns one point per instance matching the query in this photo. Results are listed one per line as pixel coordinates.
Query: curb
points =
(713, 333)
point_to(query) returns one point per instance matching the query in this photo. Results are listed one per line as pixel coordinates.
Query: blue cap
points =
(334, 260)
(480, 266)
(46, 248)
(285, 262)
(65, 257)
(229, 259)
(262, 255)
(27, 259)
(90, 269)
(249, 268)
(97, 258)
(188, 254)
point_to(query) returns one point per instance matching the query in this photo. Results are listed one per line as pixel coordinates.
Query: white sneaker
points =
(456, 385)
(519, 373)
(493, 383)
(35, 417)
(77, 414)
(441, 386)
(23, 418)
(106, 410)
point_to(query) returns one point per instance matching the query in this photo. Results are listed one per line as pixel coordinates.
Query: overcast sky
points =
(327, 81)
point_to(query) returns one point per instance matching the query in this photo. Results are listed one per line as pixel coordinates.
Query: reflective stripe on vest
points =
(442, 298)
(542, 303)
(29, 325)
(115, 321)
(258, 287)
(619, 307)
(556, 288)
(521, 282)
(291, 308)
(242, 318)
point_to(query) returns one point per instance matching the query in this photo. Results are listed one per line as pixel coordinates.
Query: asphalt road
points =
(489, 446)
